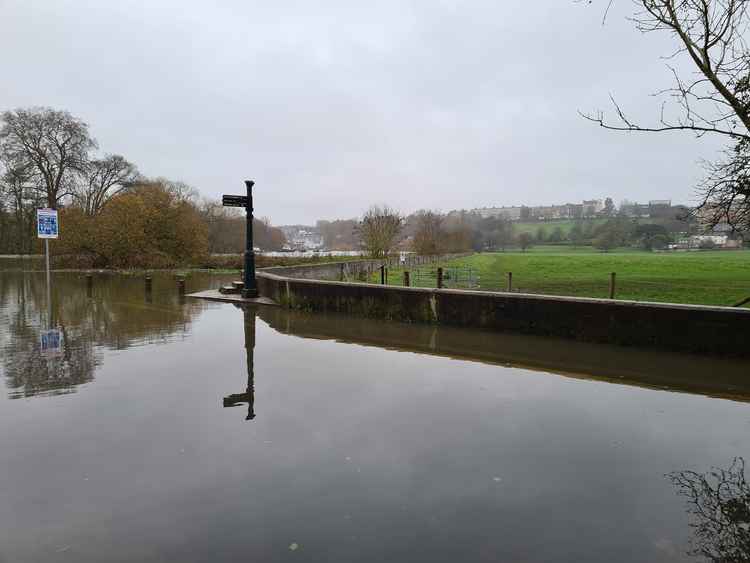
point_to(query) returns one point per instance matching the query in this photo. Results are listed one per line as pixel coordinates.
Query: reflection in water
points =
(106, 313)
(719, 502)
(720, 377)
(249, 395)
(410, 455)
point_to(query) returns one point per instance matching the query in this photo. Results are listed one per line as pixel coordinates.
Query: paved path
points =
(215, 295)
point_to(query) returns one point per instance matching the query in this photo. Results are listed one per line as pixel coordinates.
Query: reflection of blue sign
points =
(46, 223)
(50, 341)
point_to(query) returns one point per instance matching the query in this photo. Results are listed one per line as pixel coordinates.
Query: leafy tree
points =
(607, 239)
(541, 234)
(659, 242)
(651, 236)
(557, 235)
(576, 234)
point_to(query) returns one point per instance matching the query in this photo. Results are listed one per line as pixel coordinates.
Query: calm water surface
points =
(171, 429)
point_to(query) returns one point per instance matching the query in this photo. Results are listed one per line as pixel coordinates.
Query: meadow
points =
(706, 277)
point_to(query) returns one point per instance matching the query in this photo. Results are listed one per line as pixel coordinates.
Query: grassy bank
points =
(709, 278)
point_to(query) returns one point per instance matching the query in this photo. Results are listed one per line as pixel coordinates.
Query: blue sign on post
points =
(46, 223)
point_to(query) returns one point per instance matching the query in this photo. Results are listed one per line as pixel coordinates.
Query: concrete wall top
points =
(275, 273)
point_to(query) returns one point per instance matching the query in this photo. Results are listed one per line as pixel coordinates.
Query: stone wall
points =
(691, 328)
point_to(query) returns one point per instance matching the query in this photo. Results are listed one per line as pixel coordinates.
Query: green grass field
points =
(565, 226)
(709, 278)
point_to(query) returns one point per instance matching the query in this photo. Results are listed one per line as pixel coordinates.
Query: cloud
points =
(330, 106)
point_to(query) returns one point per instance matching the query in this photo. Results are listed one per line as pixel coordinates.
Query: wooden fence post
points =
(407, 281)
(612, 285)
(510, 281)
(440, 278)
(382, 275)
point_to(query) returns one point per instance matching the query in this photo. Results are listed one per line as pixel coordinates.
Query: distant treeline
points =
(431, 232)
(112, 216)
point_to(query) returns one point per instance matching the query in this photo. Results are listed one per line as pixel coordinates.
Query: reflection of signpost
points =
(249, 395)
(47, 227)
(50, 342)
(249, 289)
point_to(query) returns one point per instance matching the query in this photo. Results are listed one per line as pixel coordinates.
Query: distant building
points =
(634, 209)
(509, 213)
(712, 240)
(588, 208)
(302, 237)
(660, 203)
(592, 207)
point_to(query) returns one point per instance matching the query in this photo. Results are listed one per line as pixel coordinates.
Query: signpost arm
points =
(250, 289)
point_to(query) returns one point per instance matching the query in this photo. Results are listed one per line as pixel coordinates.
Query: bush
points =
(148, 226)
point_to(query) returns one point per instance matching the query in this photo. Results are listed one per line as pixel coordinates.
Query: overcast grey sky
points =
(332, 105)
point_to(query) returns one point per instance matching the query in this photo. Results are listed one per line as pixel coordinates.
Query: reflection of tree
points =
(720, 504)
(117, 316)
(249, 395)
(29, 372)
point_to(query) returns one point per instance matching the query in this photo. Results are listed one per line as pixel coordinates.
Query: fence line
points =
(464, 277)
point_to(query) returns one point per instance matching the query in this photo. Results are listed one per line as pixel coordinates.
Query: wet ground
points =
(145, 426)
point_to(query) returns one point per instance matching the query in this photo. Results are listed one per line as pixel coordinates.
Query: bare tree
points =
(101, 180)
(379, 229)
(53, 144)
(525, 241)
(20, 198)
(719, 502)
(428, 237)
(715, 100)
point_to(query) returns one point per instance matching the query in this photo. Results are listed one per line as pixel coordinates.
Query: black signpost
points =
(250, 289)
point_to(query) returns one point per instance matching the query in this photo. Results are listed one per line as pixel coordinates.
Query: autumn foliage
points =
(149, 225)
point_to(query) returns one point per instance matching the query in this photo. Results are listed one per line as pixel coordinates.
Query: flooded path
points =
(159, 428)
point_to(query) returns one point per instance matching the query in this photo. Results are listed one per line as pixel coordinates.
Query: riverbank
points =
(677, 327)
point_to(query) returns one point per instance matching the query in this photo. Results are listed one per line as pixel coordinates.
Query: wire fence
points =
(604, 286)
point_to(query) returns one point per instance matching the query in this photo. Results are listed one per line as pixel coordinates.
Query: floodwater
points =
(150, 427)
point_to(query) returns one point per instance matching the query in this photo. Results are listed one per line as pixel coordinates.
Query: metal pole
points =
(612, 285)
(510, 281)
(250, 289)
(440, 278)
(49, 286)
